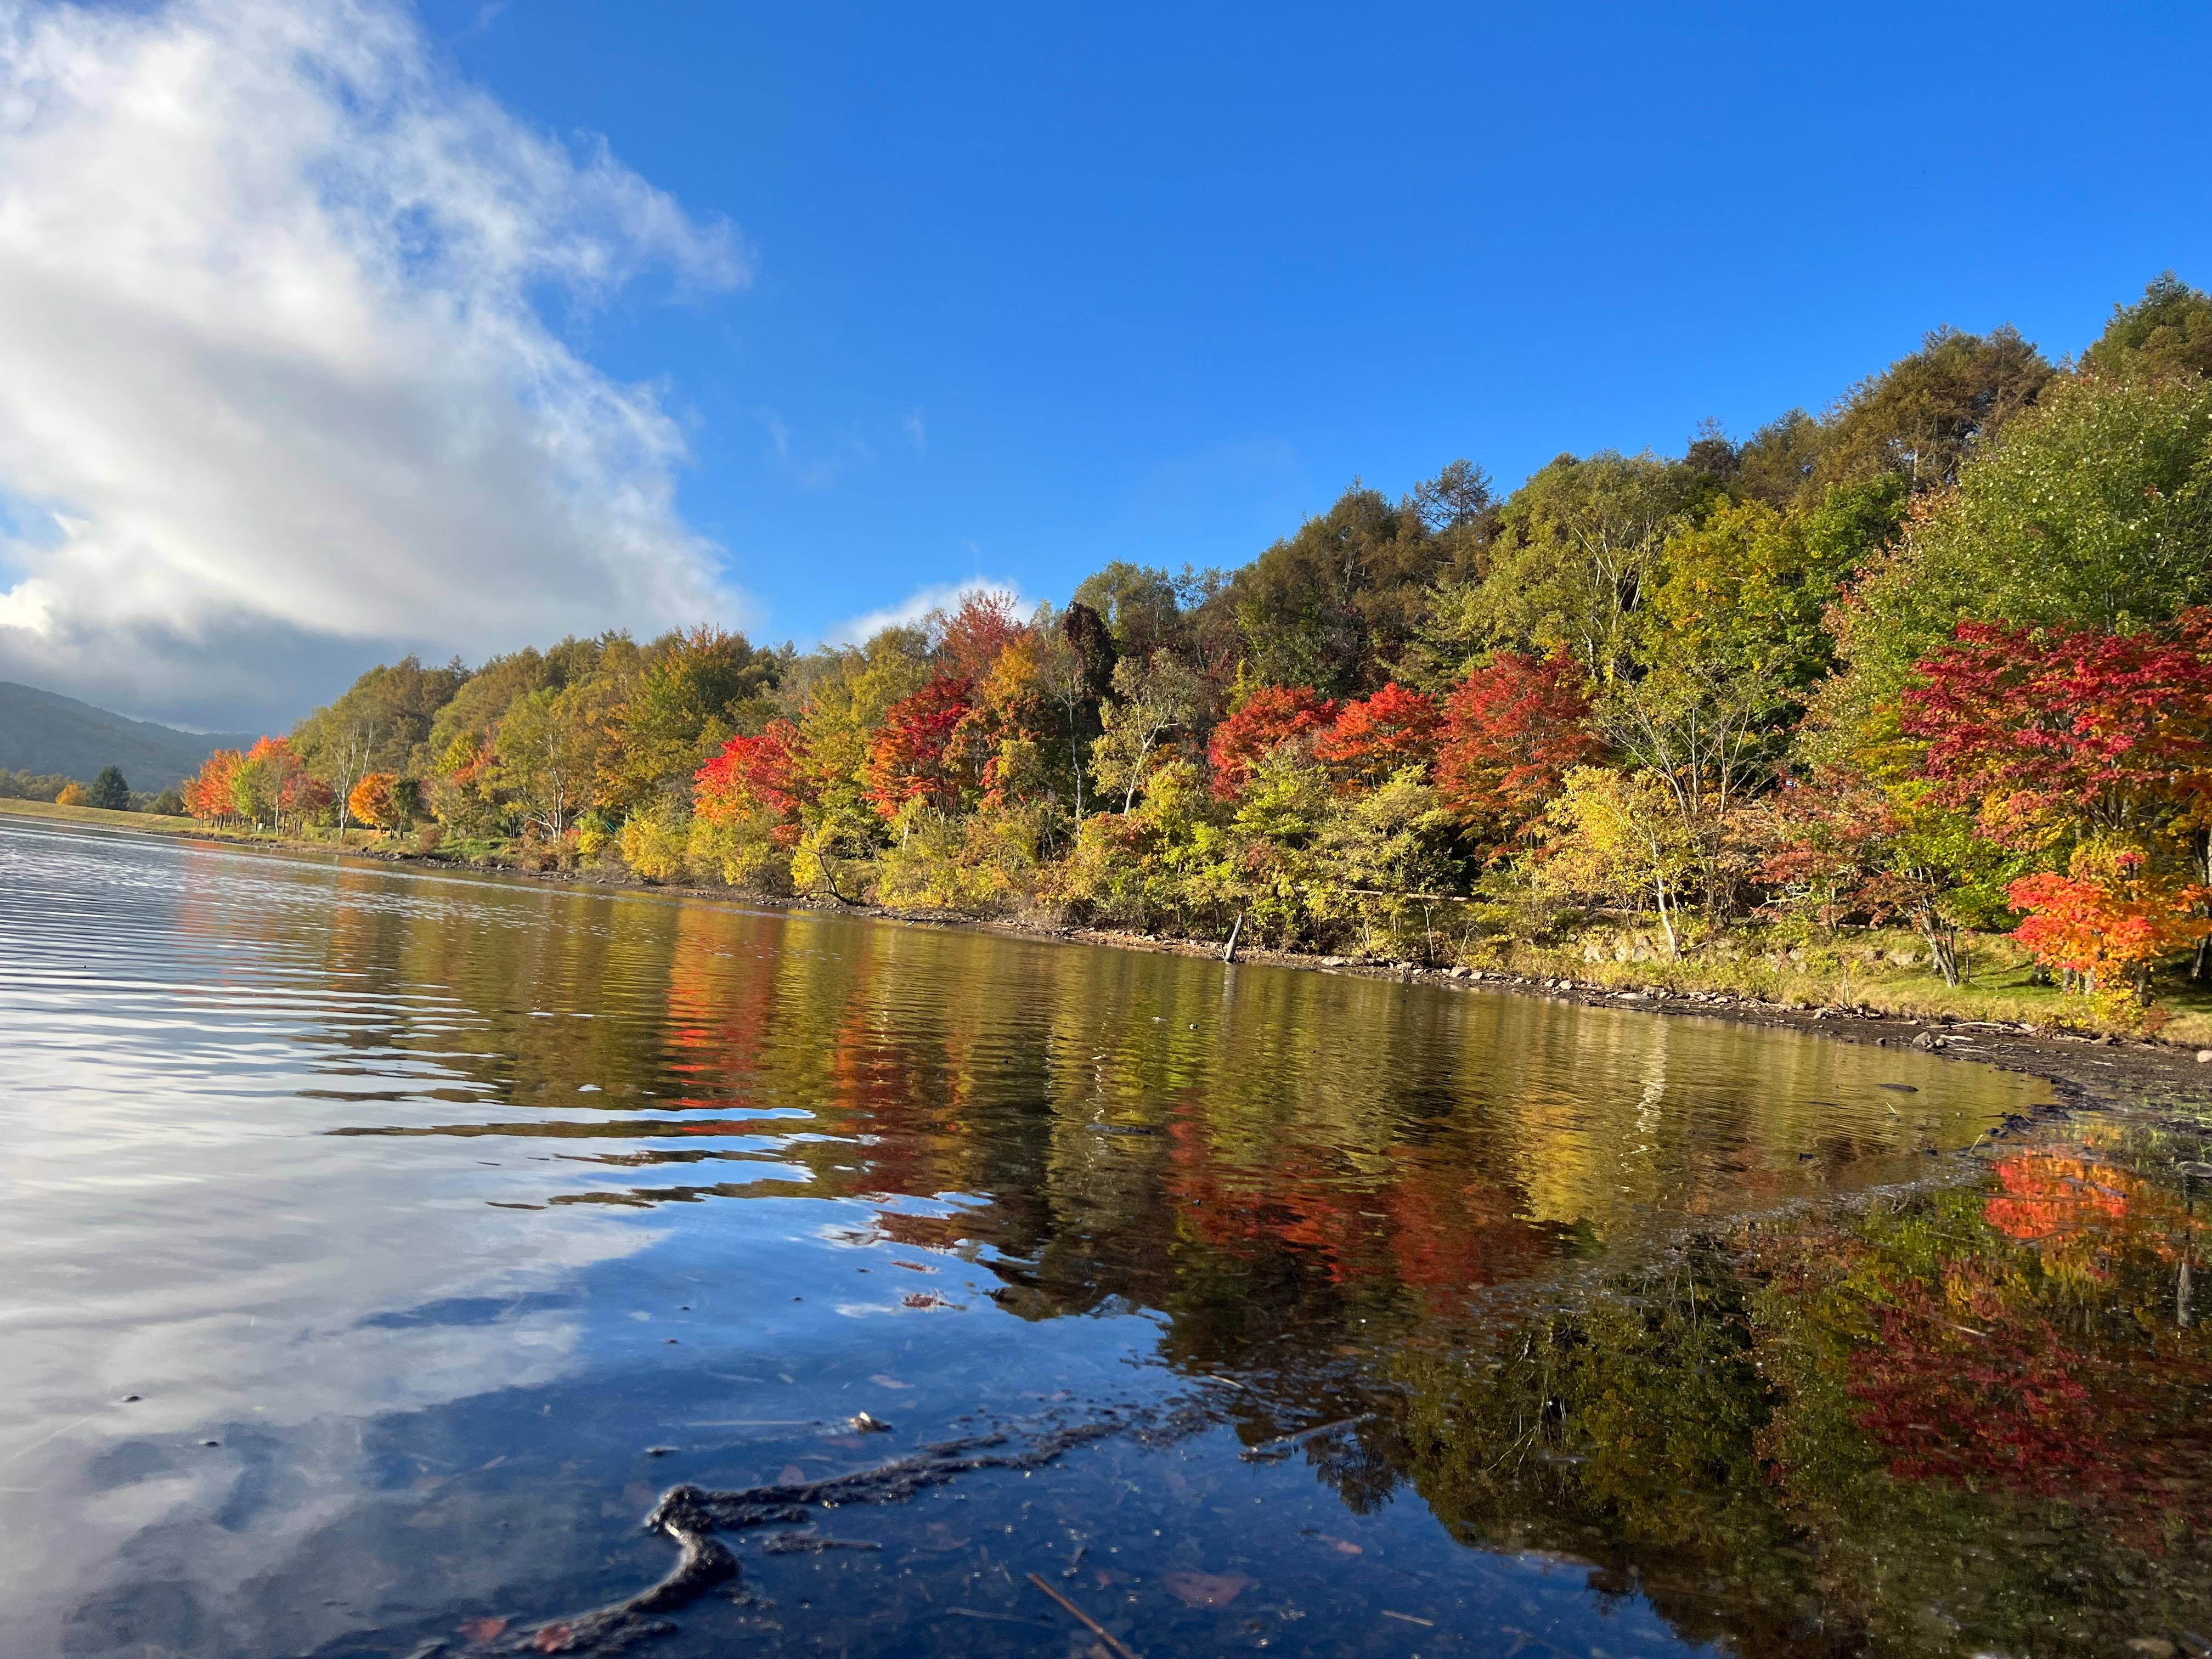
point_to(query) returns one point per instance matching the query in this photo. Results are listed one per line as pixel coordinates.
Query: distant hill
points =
(42, 732)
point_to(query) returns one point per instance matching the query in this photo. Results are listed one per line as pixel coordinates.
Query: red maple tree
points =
(1512, 730)
(2106, 729)
(1271, 717)
(1375, 736)
(913, 755)
(754, 773)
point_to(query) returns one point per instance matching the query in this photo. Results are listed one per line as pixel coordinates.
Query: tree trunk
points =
(1136, 775)
(1666, 921)
(2201, 968)
(1942, 944)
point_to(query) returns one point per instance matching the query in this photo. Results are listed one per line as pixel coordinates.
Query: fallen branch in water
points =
(690, 1515)
(1112, 1643)
(1281, 1444)
(703, 1561)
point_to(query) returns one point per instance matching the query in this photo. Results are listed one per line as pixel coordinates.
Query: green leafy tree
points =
(1395, 848)
(1157, 703)
(1698, 731)
(1336, 604)
(1277, 872)
(1743, 590)
(1141, 605)
(475, 710)
(1161, 863)
(691, 691)
(1618, 837)
(1926, 415)
(1578, 548)
(2166, 334)
(109, 790)
(1777, 464)
(2094, 512)
(377, 725)
(549, 750)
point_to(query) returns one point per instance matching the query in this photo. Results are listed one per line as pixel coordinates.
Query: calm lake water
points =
(382, 1245)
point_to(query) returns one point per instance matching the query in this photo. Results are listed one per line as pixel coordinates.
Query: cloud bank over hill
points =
(282, 392)
(918, 605)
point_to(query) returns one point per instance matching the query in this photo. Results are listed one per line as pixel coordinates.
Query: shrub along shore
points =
(1905, 703)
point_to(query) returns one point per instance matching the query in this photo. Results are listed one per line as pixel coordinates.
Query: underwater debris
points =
(690, 1516)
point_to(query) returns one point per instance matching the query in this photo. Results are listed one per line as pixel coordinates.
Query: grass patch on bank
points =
(1998, 983)
(161, 824)
(157, 824)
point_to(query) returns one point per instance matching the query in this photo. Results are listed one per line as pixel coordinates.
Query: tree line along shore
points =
(1907, 702)
(107, 790)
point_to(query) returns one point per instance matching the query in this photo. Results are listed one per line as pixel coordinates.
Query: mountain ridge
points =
(44, 732)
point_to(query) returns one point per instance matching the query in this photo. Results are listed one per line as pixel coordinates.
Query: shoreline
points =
(2107, 1072)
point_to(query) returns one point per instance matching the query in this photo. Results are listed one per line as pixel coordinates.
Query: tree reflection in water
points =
(1527, 1243)
(1972, 1418)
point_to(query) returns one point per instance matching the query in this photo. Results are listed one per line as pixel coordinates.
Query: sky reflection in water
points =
(438, 1202)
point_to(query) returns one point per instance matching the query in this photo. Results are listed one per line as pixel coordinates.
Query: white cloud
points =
(935, 596)
(276, 371)
(917, 433)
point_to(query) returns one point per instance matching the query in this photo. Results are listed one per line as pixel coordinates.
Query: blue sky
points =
(1040, 287)
(338, 328)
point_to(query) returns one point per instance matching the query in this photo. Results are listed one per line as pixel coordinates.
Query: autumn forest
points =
(1935, 662)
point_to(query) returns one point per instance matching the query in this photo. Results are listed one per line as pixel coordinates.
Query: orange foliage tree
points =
(2110, 919)
(763, 774)
(208, 795)
(370, 801)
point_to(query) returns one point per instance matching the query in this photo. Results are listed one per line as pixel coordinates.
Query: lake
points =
(384, 1244)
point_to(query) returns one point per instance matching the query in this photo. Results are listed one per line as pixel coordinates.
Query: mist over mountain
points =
(44, 732)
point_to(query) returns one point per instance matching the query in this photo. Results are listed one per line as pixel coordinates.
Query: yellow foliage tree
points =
(1616, 835)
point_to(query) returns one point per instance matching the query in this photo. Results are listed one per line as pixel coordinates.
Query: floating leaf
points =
(1206, 1590)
